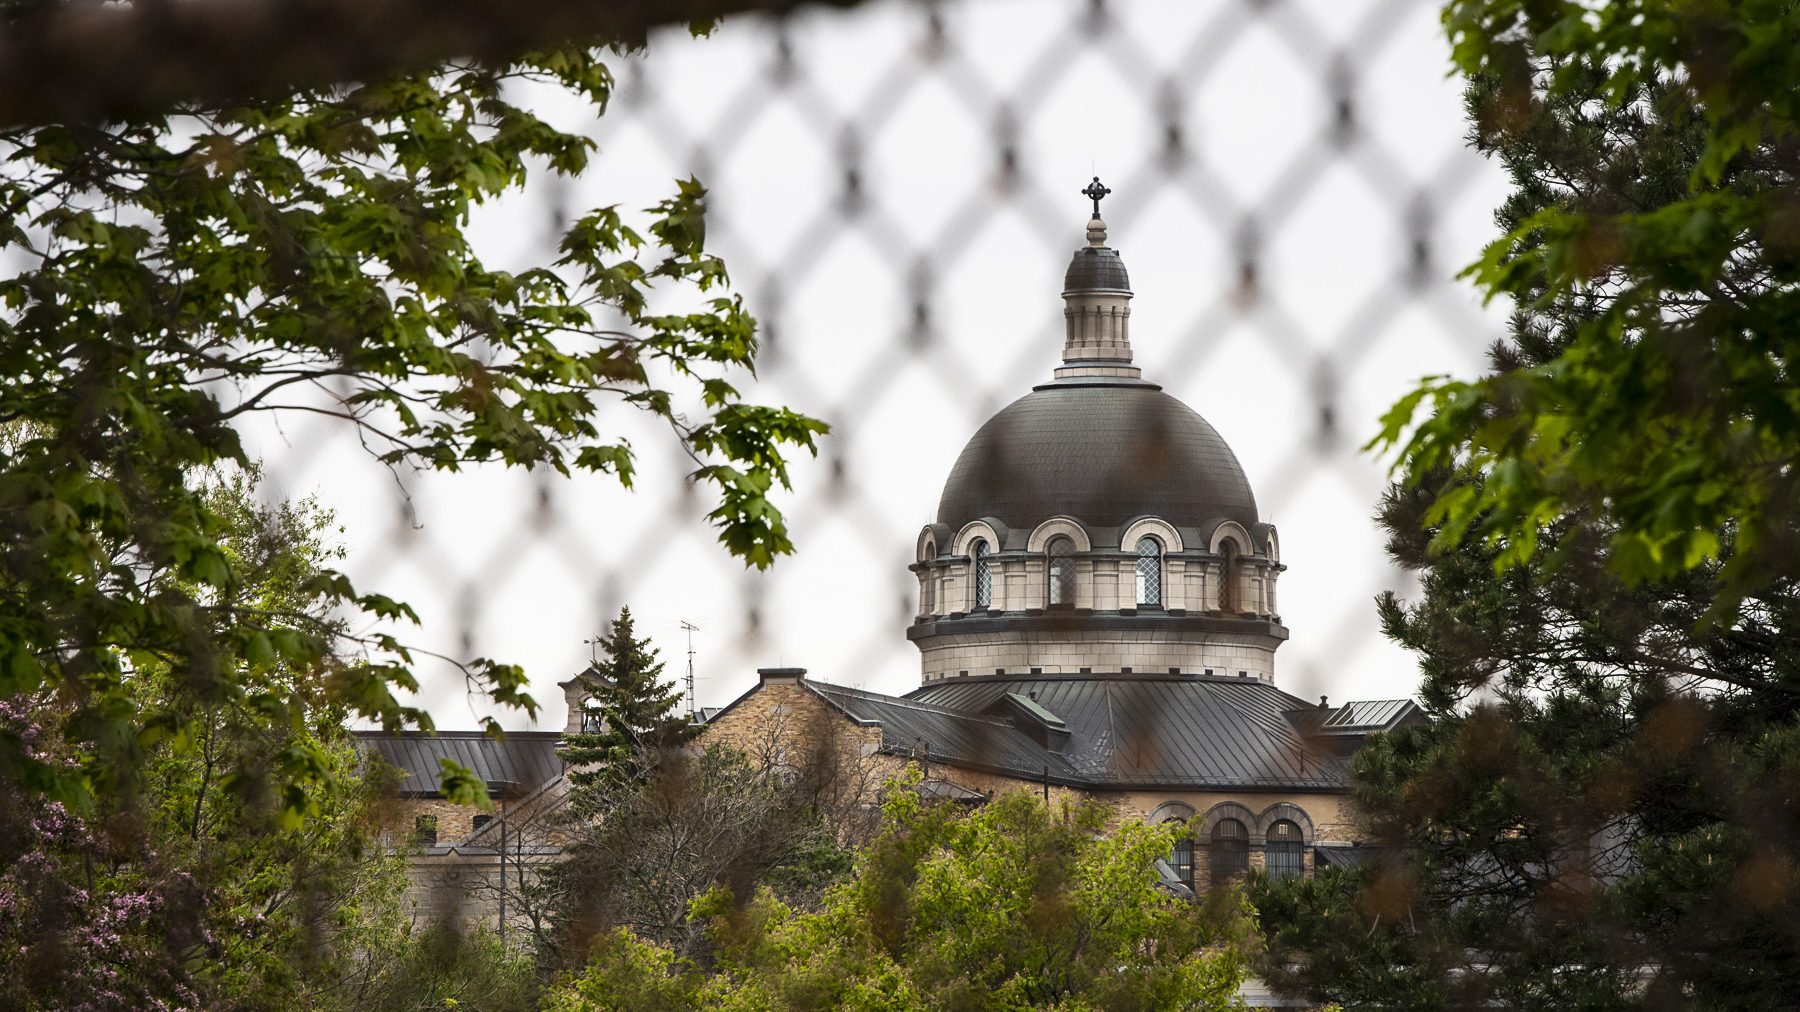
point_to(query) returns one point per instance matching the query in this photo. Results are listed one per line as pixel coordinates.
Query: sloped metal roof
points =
(522, 762)
(954, 736)
(1173, 731)
(1103, 453)
(1368, 715)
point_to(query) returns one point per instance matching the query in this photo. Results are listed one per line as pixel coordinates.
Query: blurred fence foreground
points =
(896, 191)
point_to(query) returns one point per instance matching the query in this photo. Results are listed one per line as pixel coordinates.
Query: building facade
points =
(1097, 617)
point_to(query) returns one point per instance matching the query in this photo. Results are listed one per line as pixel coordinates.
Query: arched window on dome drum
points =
(1182, 858)
(1229, 853)
(1149, 571)
(1283, 850)
(984, 574)
(1060, 573)
(1228, 577)
(928, 582)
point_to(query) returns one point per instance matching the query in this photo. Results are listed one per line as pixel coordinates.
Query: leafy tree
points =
(1651, 250)
(1605, 809)
(173, 275)
(1012, 906)
(245, 869)
(419, 968)
(631, 711)
(639, 849)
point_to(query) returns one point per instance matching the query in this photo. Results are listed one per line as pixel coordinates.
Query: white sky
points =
(525, 567)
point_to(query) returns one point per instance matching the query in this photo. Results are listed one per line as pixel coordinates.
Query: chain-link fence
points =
(896, 190)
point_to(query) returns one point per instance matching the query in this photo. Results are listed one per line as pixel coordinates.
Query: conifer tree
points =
(630, 714)
(1605, 809)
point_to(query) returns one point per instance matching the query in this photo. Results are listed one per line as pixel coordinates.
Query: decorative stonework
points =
(1216, 567)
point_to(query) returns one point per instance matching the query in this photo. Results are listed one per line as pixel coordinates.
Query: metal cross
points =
(1094, 192)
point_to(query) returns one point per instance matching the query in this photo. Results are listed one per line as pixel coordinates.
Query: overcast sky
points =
(1319, 142)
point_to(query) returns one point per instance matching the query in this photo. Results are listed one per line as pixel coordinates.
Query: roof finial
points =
(1094, 192)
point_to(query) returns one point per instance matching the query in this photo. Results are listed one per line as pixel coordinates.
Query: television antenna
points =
(690, 628)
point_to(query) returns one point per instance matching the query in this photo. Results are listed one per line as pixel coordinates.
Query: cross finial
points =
(1094, 192)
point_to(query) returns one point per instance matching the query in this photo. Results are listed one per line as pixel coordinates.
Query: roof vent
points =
(1030, 716)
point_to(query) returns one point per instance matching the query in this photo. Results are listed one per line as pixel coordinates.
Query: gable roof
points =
(946, 735)
(519, 764)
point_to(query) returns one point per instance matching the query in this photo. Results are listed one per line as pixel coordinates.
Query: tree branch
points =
(66, 62)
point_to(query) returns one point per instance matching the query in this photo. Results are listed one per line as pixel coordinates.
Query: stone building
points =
(1097, 617)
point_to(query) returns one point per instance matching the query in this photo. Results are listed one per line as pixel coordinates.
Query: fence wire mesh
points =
(895, 189)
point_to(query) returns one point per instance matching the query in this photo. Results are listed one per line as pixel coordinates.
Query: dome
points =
(1096, 270)
(1103, 453)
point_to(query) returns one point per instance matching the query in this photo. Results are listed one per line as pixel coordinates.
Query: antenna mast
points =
(693, 709)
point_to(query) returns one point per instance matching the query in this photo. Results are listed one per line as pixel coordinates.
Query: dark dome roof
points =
(1103, 453)
(1096, 269)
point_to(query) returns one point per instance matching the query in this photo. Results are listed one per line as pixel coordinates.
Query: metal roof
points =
(1096, 269)
(523, 761)
(1030, 705)
(1104, 454)
(1368, 715)
(1187, 731)
(951, 736)
(1342, 856)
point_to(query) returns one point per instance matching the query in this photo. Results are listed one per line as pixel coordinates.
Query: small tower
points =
(1096, 306)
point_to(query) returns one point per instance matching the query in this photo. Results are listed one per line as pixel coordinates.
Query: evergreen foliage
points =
(1651, 250)
(627, 709)
(1605, 809)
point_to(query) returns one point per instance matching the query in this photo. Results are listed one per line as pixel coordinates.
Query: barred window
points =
(1283, 851)
(1182, 859)
(1149, 571)
(1230, 850)
(1061, 571)
(984, 574)
(1229, 577)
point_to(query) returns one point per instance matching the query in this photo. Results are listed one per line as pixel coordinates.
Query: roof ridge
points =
(415, 734)
(912, 704)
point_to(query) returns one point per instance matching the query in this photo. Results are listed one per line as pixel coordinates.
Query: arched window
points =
(1228, 577)
(1149, 571)
(1230, 850)
(1182, 859)
(984, 574)
(1061, 571)
(1282, 853)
